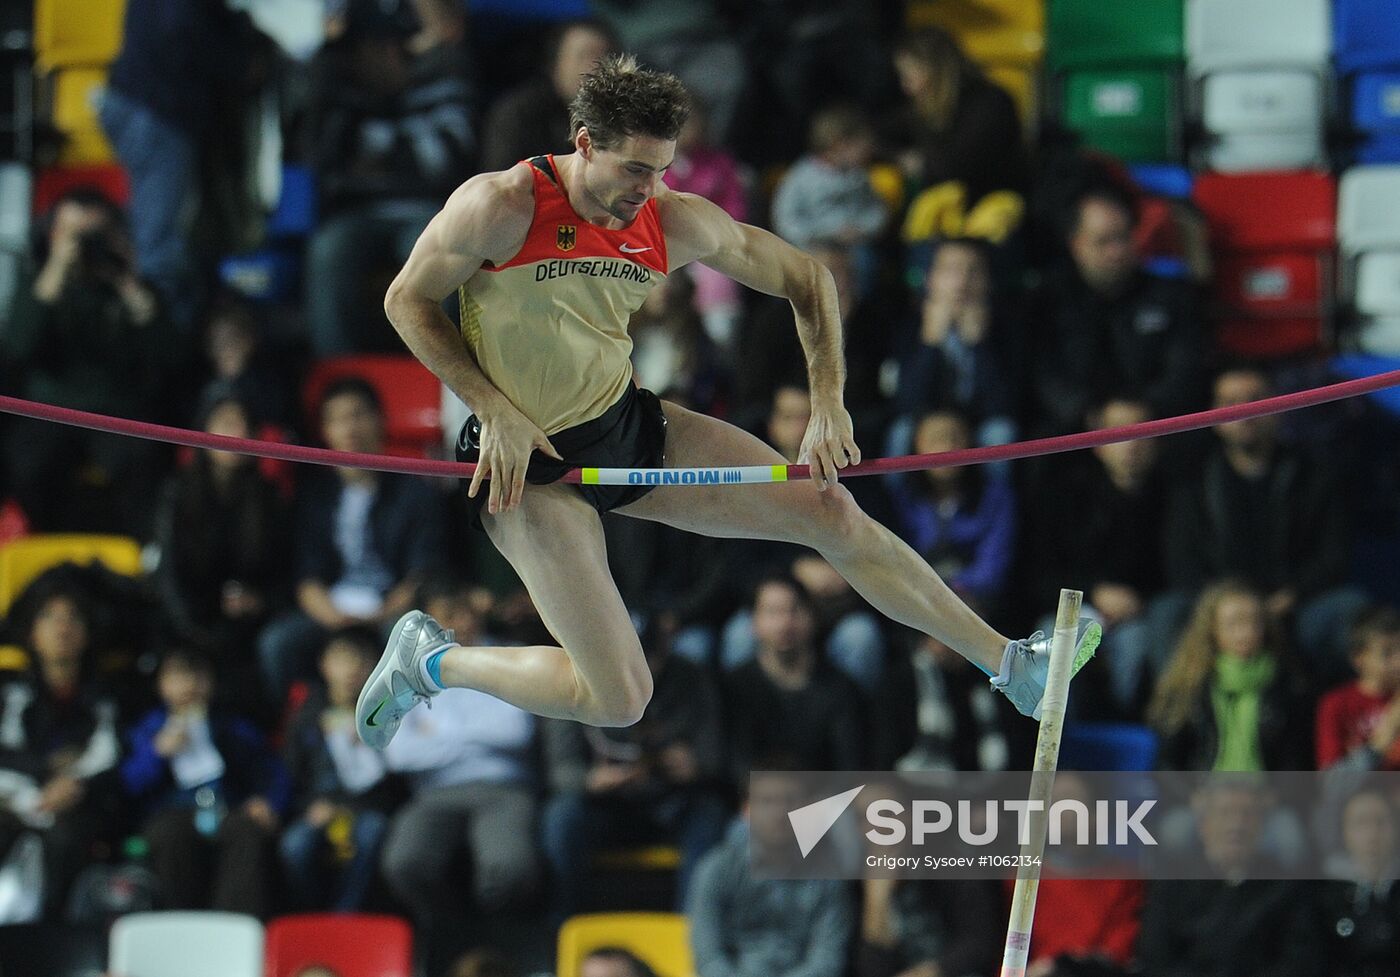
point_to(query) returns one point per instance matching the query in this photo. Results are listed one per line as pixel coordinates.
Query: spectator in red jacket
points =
(1358, 724)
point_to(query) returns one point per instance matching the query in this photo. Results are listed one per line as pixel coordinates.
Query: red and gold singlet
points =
(549, 326)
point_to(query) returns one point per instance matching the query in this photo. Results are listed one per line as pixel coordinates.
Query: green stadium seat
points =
(1090, 33)
(1128, 113)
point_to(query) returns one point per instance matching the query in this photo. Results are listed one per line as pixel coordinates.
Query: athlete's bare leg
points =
(878, 564)
(554, 540)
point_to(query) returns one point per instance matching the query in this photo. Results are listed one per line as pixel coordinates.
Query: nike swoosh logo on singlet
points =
(627, 249)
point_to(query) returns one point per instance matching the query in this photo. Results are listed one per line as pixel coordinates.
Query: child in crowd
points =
(1358, 724)
(343, 793)
(1229, 699)
(827, 196)
(211, 792)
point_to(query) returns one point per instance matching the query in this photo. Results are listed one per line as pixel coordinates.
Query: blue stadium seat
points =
(1366, 35)
(295, 215)
(266, 275)
(1353, 366)
(1108, 746)
(1382, 149)
(1375, 101)
(530, 9)
(1163, 180)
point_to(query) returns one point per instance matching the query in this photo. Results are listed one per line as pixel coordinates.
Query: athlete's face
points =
(622, 178)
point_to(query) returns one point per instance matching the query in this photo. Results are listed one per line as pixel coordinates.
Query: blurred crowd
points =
(191, 732)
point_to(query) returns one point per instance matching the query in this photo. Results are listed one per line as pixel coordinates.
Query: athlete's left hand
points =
(829, 444)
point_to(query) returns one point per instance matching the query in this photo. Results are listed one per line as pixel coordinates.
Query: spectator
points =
(391, 136)
(1358, 724)
(239, 359)
(1109, 326)
(956, 361)
(688, 38)
(343, 795)
(927, 927)
(1361, 909)
(86, 333)
(220, 528)
(788, 700)
(706, 169)
(956, 126)
(1236, 921)
(165, 101)
(363, 541)
(208, 789)
(961, 520)
(779, 927)
(1229, 699)
(826, 196)
(803, 54)
(936, 712)
(483, 963)
(657, 781)
(1269, 514)
(1090, 503)
(58, 736)
(614, 961)
(534, 118)
(472, 767)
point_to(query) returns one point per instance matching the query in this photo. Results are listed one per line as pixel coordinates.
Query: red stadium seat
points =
(351, 944)
(53, 182)
(1274, 235)
(411, 395)
(1267, 211)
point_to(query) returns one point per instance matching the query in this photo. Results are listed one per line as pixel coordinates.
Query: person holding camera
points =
(90, 334)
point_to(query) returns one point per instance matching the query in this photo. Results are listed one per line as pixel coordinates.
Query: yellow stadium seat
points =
(25, 558)
(990, 31)
(13, 658)
(651, 858)
(661, 939)
(77, 32)
(75, 115)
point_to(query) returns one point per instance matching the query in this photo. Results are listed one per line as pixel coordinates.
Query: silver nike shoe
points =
(1025, 666)
(399, 682)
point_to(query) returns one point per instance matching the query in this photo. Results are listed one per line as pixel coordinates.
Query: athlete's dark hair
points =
(619, 98)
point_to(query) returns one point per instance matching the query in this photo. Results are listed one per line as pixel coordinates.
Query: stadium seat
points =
(24, 559)
(661, 939)
(295, 215)
(1375, 115)
(77, 32)
(75, 116)
(180, 944)
(1366, 35)
(989, 31)
(1273, 235)
(54, 950)
(1367, 216)
(351, 944)
(1163, 180)
(1256, 212)
(53, 182)
(1258, 70)
(1368, 230)
(1092, 33)
(411, 396)
(1108, 746)
(1126, 112)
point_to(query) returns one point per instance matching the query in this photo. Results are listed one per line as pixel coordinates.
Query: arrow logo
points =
(811, 823)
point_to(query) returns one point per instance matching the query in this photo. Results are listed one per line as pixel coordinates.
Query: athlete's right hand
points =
(507, 440)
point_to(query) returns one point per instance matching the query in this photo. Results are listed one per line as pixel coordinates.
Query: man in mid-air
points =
(550, 258)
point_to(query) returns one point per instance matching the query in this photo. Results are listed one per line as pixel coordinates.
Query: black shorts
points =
(629, 434)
